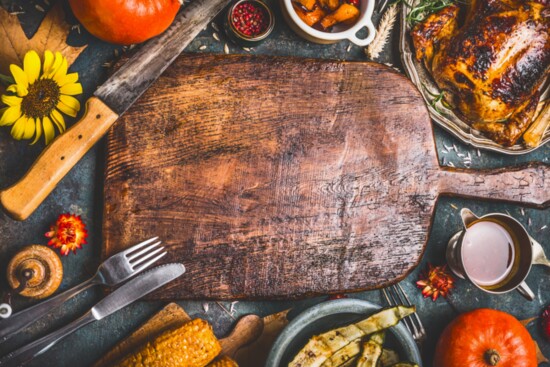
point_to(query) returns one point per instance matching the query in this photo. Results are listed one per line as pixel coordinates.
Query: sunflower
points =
(39, 95)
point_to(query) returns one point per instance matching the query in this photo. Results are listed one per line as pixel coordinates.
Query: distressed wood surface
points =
(284, 178)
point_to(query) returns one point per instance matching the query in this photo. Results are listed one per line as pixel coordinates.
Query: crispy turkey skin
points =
(491, 64)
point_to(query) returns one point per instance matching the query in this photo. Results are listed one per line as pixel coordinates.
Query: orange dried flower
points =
(435, 282)
(68, 233)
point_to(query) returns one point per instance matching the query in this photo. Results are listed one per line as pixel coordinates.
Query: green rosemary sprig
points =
(436, 99)
(422, 9)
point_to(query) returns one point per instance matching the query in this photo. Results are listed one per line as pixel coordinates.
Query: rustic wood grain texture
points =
(247, 329)
(283, 178)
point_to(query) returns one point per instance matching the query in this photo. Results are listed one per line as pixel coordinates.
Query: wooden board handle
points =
(21, 199)
(247, 329)
(528, 184)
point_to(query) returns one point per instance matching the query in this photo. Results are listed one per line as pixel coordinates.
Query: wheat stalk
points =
(383, 33)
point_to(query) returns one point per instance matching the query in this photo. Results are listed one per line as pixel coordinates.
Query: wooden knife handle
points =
(21, 199)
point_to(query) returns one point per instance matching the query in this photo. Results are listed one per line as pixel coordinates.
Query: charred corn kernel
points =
(192, 345)
(223, 362)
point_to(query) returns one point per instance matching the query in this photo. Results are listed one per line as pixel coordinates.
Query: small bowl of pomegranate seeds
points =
(330, 21)
(249, 22)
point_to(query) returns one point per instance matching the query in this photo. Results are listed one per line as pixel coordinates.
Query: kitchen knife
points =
(123, 296)
(109, 101)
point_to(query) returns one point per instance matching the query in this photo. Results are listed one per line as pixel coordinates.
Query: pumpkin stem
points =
(492, 357)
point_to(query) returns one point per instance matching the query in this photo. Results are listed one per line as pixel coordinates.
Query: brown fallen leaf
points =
(51, 35)
(540, 357)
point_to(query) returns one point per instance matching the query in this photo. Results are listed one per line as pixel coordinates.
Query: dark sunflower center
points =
(42, 98)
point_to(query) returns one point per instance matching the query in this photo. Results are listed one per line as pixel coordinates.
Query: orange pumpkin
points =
(485, 338)
(125, 22)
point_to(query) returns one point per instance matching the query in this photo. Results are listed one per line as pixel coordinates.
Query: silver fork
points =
(395, 295)
(111, 272)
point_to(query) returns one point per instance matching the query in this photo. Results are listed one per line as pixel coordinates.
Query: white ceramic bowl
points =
(311, 34)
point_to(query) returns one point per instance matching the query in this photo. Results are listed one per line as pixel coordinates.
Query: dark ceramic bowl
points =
(330, 315)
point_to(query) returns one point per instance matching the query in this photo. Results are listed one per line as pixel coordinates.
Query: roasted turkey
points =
(490, 62)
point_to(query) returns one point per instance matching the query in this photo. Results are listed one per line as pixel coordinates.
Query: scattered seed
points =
(246, 49)
(450, 164)
(205, 307)
(107, 64)
(529, 222)
(478, 153)
(444, 162)
(454, 206)
(507, 212)
(543, 227)
(448, 147)
(116, 52)
(522, 212)
(226, 49)
(460, 155)
(39, 8)
(349, 48)
(215, 27)
(216, 37)
(203, 47)
(17, 12)
(77, 27)
(455, 148)
(232, 307)
(444, 151)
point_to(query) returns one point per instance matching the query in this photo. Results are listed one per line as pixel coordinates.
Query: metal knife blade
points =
(102, 110)
(136, 288)
(123, 296)
(121, 90)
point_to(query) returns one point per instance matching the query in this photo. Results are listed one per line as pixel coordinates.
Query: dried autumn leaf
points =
(51, 35)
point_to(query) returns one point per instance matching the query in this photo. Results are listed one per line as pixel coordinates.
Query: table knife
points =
(123, 296)
(107, 104)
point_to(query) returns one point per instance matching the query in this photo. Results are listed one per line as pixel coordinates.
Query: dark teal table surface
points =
(80, 192)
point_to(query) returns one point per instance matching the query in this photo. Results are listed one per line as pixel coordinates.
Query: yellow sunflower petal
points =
(38, 129)
(61, 71)
(58, 60)
(67, 79)
(70, 102)
(48, 62)
(11, 100)
(18, 129)
(31, 66)
(58, 120)
(19, 76)
(19, 90)
(49, 131)
(71, 89)
(10, 115)
(29, 129)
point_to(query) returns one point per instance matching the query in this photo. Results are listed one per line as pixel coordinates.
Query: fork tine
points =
(399, 292)
(139, 245)
(147, 256)
(414, 316)
(143, 251)
(148, 263)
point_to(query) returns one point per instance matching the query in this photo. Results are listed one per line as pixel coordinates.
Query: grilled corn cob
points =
(192, 345)
(223, 362)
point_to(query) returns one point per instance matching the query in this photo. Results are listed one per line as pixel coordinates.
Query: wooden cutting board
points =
(247, 329)
(283, 178)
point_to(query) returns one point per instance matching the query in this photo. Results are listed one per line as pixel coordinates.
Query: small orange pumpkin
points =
(125, 22)
(485, 338)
